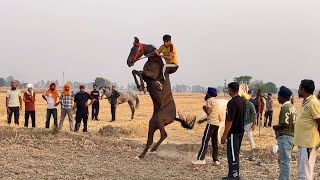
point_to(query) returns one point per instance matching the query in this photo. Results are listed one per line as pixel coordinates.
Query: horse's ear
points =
(136, 40)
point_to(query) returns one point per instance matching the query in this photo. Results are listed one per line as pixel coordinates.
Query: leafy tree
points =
(100, 82)
(198, 89)
(9, 79)
(256, 85)
(270, 87)
(2, 82)
(180, 88)
(132, 87)
(243, 79)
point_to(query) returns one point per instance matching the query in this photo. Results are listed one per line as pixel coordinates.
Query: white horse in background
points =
(243, 88)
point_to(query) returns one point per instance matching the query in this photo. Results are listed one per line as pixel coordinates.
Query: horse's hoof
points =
(152, 152)
(137, 158)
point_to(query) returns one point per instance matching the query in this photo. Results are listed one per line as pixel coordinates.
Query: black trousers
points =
(16, 112)
(211, 132)
(95, 110)
(113, 111)
(81, 115)
(27, 114)
(54, 113)
(233, 150)
(268, 115)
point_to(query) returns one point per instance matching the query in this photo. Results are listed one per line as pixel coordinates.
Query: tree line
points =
(265, 87)
(268, 87)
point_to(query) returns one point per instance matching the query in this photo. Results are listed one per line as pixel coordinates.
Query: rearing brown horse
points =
(164, 108)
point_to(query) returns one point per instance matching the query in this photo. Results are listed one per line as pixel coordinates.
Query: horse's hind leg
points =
(149, 141)
(163, 135)
(131, 104)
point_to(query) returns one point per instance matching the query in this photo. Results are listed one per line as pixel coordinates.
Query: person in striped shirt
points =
(66, 100)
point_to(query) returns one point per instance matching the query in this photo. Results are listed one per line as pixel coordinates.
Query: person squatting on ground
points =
(13, 103)
(51, 96)
(29, 98)
(234, 130)
(211, 132)
(80, 107)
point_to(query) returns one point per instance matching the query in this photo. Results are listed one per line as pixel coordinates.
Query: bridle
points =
(140, 48)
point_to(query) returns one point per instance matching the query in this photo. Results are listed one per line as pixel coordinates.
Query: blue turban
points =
(285, 92)
(212, 92)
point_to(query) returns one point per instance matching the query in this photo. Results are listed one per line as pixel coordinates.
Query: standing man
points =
(113, 102)
(249, 120)
(234, 129)
(29, 99)
(66, 100)
(211, 132)
(307, 130)
(96, 105)
(285, 131)
(269, 111)
(51, 96)
(318, 96)
(81, 109)
(13, 103)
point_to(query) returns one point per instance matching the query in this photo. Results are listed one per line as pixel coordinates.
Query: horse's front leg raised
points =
(141, 81)
(136, 73)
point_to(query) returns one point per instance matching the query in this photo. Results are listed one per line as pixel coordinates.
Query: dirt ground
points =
(108, 151)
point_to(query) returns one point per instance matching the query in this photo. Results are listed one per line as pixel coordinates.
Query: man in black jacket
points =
(113, 101)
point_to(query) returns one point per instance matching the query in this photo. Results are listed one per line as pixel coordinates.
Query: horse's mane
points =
(151, 46)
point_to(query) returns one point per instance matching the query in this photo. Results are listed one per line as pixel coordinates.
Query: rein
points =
(140, 48)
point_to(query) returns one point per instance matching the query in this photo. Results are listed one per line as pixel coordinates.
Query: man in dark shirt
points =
(234, 130)
(113, 102)
(81, 108)
(96, 105)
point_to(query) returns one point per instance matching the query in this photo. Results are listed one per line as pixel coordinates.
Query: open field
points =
(110, 153)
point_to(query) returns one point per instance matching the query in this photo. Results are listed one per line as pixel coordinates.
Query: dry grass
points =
(109, 150)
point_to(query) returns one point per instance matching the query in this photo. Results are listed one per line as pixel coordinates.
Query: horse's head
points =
(104, 91)
(136, 52)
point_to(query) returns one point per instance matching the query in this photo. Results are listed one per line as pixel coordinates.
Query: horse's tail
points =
(185, 124)
(137, 101)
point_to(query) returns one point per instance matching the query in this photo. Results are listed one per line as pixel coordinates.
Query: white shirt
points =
(51, 102)
(13, 96)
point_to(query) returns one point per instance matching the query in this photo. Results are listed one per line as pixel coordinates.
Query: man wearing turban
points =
(285, 131)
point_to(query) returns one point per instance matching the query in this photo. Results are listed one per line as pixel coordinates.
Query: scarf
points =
(29, 86)
(66, 93)
(55, 93)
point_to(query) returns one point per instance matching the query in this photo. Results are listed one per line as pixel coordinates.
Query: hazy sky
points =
(271, 40)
